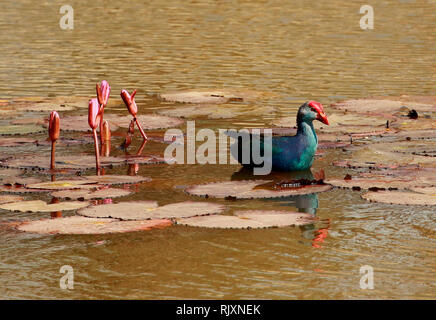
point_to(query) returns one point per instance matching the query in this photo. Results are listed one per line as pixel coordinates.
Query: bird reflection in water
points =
(307, 203)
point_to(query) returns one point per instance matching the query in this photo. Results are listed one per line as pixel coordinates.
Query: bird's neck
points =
(306, 129)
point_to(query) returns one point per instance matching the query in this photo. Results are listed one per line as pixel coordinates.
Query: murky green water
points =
(297, 50)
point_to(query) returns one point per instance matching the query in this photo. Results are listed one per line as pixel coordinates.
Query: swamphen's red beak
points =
(321, 116)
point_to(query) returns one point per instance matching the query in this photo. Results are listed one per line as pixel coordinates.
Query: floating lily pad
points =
(64, 184)
(41, 206)
(6, 173)
(88, 194)
(143, 210)
(247, 190)
(211, 96)
(6, 198)
(425, 190)
(225, 111)
(116, 179)
(15, 141)
(370, 184)
(45, 104)
(342, 122)
(83, 225)
(147, 121)
(380, 106)
(143, 159)
(10, 130)
(78, 123)
(250, 219)
(382, 155)
(421, 148)
(413, 125)
(23, 181)
(402, 198)
(77, 162)
(20, 189)
(413, 134)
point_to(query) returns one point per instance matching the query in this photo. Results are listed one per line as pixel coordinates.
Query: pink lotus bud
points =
(54, 126)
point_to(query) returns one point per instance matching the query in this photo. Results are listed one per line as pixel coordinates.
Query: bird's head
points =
(310, 111)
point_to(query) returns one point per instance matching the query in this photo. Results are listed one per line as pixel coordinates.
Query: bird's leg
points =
(140, 129)
(97, 154)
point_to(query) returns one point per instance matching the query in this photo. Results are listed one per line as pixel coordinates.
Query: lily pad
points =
(77, 162)
(20, 189)
(83, 225)
(425, 190)
(402, 198)
(15, 141)
(383, 155)
(6, 198)
(116, 179)
(250, 219)
(10, 130)
(84, 194)
(225, 111)
(44, 104)
(211, 96)
(6, 173)
(78, 123)
(41, 206)
(247, 190)
(385, 183)
(64, 185)
(23, 181)
(381, 106)
(147, 121)
(143, 210)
